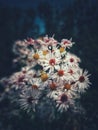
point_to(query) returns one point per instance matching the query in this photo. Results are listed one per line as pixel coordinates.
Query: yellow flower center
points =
(36, 56)
(62, 49)
(45, 52)
(44, 77)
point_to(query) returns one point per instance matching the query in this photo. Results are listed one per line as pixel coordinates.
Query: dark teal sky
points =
(33, 3)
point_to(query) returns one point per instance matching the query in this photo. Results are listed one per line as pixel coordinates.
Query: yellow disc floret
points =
(62, 49)
(36, 56)
(44, 77)
(45, 52)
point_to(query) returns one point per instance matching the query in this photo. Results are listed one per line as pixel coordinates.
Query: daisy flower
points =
(72, 60)
(17, 80)
(72, 72)
(18, 46)
(37, 83)
(82, 80)
(29, 98)
(50, 62)
(69, 88)
(67, 43)
(49, 40)
(29, 41)
(63, 102)
(34, 44)
(21, 50)
(52, 89)
(34, 58)
(62, 74)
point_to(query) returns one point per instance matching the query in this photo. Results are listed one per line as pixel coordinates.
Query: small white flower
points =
(72, 60)
(52, 89)
(62, 75)
(37, 83)
(18, 46)
(33, 58)
(29, 98)
(67, 43)
(50, 62)
(70, 89)
(17, 80)
(63, 102)
(49, 40)
(82, 80)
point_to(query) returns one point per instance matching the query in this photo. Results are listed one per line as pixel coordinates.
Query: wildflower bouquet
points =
(50, 80)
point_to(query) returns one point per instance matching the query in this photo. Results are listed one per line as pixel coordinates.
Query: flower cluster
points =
(50, 75)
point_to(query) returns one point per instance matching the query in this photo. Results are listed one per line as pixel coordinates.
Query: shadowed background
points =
(78, 19)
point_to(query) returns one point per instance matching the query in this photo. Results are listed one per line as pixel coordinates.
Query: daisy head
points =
(17, 80)
(82, 80)
(19, 46)
(72, 60)
(49, 40)
(35, 44)
(36, 83)
(61, 74)
(67, 43)
(63, 102)
(69, 88)
(52, 89)
(50, 63)
(34, 58)
(29, 98)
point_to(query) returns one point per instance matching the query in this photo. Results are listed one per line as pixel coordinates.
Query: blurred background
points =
(78, 19)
